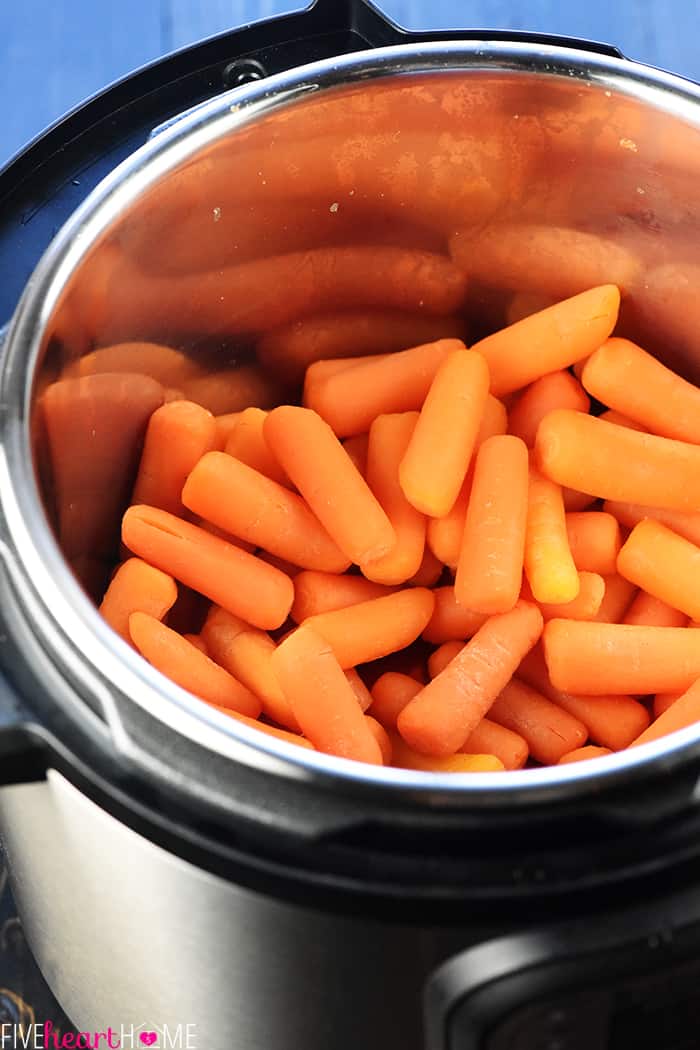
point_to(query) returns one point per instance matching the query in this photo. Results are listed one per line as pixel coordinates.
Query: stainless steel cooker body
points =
(201, 875)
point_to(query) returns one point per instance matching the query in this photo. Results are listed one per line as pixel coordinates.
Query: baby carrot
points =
(575, 501)
(321, 697)
(684, 712)
(178, 435)
(451, 621)
(652, 612)
(594, 541)
(162, 363)
(225, 425)
(630, 514)
(581, 754)
(490, 569)
(233, 389)
(238, 581)
(290, 349)
(137, 587)
(357, 448)
(490, 738)
(404, 757)
(320, 371)
(247, 655)
(374, 629)
(549, 731)
(390, 694)
(555, 337)
(320, 592)
(525, 303)
(549, 565)
(184, 664)
(619, 594)
(610, 416)
(662, 701)
(246, 442)
(585, 606)
(612, 721)
(555, 390)
(613, 462)
(250, 505)
(197, 641)
(599, 658)
(382, 737)
(628, 379)
(440, 449)
(280, 734)
(441, 717)
(664, 564)
(352, 398)
(323, 472)
(442, 656)
(429, 571)
(220, 627)
(389, 437)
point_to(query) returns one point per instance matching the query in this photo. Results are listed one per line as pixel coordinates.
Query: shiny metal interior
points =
(401, 147)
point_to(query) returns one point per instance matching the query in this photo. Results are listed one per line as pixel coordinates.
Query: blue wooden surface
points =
(53, 53)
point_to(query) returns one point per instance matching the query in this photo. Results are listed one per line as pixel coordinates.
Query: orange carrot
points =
(652, 612)
(137, 587)
(684, 712)
(382, 737)
(178, 435)
(248, 504)
(389, 437)
(225, 425)
(404, 757)
(612, 721)
(289, 350)
(575, 501)
(585, 606)
(549, 565)
(225, 574)
(323, 472)
(246, 442)
(197, 641)
(374, 629)
(594, 541)
(320, 592)
(582, 754)
(490, 738)
(167, 366)
(357, 448)
(263, 727)
(662, 701)
(490, 569)
(233, 389)
(610, 416)
(613, 462)
(451, 621)
(362, 693)
(429, 571)
(664, 564)
(321, 697)
(354, 397)
(221, 626)
(555, 390)
(549, 731)
(523, 304)
(442, 656)
(320, 371)
(189, 668)
(440, 718)
(599, 658)
(619, 594)
(555, 337)
(390, 694)
(272, 559)
(630, 514)
(247, 655)
(631, 381)
(440, 449)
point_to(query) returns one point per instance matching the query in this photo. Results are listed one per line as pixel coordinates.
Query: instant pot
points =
(177, 872)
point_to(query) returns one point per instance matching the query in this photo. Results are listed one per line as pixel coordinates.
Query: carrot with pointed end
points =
(631, 381)
(225, 574)
(239, 499)
(178, 435)
(246, 441)
(555, 390)
(374, 629)
(594, 541)
(616, 463)
(663, 564)
(326, 477)
(353, 397)
(320, 592)
(390, 694)
(549, 565)
(184, 664)
(321, 697)
(440, 449)
(137, 587)
(583, 754)
(682, 713)
(450, 620)
(389, 437)
(490, 569)
(440, 718)
(555, 337)
(599, 658)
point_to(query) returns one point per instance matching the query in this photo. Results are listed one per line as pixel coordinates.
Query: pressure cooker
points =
(179, 872)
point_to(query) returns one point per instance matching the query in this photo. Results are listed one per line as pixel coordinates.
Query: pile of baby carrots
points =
(441, 559)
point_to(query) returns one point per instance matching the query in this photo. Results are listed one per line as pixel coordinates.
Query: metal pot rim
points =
(71, 627)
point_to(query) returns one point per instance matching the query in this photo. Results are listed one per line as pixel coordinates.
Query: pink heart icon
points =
(148, 1038)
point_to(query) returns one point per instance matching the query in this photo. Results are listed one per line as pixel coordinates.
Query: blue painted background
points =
(53, 53)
